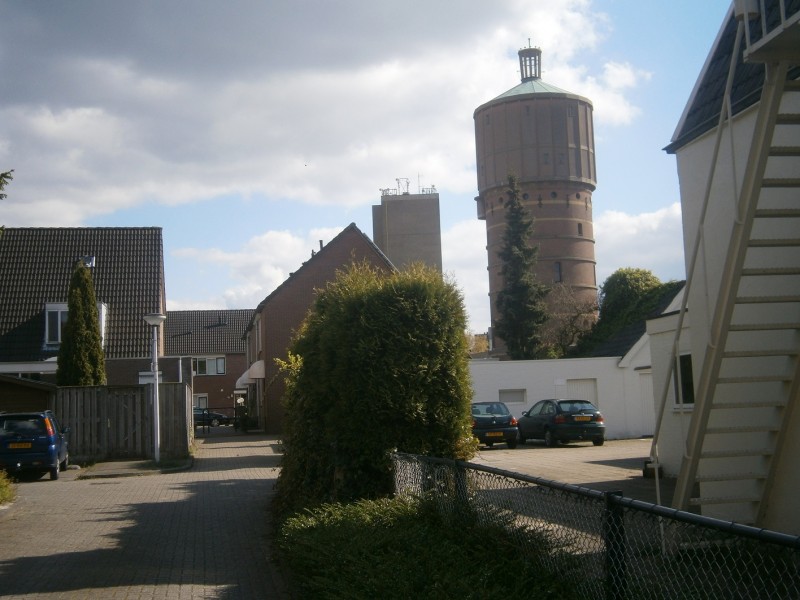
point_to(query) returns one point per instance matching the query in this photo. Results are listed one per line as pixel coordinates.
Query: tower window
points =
(580, 228)
(557, 272)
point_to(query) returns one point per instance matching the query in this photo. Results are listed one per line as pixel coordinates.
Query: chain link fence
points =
(613, 547)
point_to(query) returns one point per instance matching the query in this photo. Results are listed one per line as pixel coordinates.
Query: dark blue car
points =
(33, 442)
(493, 423)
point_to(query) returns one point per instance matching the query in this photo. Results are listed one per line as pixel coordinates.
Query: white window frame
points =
(63, 312)
(219, 364)
(60, 308)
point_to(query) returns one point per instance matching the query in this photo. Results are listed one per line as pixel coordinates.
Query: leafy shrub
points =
(380, 364)
(403, 548)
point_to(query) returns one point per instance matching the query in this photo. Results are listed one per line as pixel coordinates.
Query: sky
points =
(251, 129)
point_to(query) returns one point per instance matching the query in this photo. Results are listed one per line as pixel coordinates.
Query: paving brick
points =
(198, 533)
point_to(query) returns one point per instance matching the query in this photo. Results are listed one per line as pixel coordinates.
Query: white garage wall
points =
(616, 390)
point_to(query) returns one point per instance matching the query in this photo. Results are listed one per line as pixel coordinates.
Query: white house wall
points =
(694, 164)
(617, 392)
(694, 167)
(675, 421)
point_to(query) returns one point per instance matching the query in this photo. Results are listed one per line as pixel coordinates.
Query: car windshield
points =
(489, 408)
(575, 405)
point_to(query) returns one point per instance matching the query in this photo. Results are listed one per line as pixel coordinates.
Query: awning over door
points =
(256, 371)
(243, 380)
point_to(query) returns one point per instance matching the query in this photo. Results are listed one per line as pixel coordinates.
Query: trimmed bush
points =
(403, 548)
(379, 365)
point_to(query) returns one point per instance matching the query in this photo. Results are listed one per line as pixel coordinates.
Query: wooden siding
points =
(117, 422)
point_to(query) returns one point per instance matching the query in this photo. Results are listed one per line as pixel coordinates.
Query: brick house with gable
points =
(277, 318)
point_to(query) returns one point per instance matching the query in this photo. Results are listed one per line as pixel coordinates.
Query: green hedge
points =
(379, 364)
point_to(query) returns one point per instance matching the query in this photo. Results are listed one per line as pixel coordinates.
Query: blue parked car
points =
(493, 423)
(33, 442)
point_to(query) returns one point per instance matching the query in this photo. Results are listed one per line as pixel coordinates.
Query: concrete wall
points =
(620, 388)
(407, 230)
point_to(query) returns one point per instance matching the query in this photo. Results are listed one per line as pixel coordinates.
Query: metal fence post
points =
(614, 537)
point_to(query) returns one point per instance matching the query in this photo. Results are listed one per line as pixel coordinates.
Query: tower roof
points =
(530, 68)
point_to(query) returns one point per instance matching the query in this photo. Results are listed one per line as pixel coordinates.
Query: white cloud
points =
(253, 272)
(173, 110)
(124, 127)
(464, 256)
(651, 240)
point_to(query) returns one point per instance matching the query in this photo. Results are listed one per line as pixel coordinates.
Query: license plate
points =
(494, 434)
(582, 418)
(19, 445)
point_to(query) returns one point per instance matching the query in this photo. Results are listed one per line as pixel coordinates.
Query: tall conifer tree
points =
(80, 357)
(520, 303)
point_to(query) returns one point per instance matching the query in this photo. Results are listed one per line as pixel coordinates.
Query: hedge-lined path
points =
(197, 533)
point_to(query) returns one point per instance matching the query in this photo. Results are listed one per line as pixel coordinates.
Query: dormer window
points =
(56, 318)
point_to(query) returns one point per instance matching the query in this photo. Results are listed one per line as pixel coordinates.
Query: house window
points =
(56, 319)
(209, 365)
(684, 380)
(557, 272)
(200, 400)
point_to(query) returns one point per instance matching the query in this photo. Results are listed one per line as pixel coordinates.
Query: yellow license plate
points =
(19, 445)
(583, 418)
(494, 434)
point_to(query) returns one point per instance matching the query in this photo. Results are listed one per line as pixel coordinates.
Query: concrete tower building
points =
(545, 137)
(406, 226)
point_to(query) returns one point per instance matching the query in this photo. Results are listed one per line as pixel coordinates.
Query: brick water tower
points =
(545, 137)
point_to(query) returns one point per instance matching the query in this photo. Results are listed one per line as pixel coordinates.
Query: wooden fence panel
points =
(117, 422)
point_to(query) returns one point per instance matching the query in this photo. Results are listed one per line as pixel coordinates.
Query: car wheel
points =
(512, 444)
(598, 441)
(214, 422)
(550, 440)
(54, 473)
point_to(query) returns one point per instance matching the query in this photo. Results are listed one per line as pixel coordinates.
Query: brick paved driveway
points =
(199, 533)
(615, 466)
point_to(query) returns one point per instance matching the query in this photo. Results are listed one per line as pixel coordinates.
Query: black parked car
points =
(203, 416)
(557, 421)
(492, 423)
(33, 442)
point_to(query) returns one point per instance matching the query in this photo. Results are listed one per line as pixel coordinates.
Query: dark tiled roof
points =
(35, 268)
(205, 332)
(702, 113)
